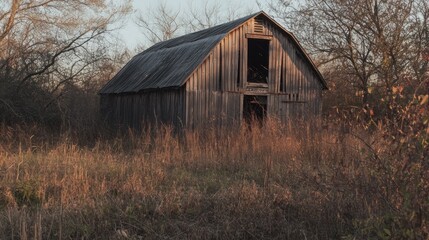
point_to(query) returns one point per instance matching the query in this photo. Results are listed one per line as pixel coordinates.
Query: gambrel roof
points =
(169, 64)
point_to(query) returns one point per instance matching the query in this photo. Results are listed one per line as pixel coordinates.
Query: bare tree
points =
(7, 18)
(198, 19)
(160, 24)
(371, 44)
(46, 44)
(163, 23)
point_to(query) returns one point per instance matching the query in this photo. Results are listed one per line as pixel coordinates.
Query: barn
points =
(249, 68)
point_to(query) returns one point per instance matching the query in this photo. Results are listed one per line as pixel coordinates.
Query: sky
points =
(132, 35)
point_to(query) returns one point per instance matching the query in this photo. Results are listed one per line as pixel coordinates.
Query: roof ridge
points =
(197, 33)
(152, 68)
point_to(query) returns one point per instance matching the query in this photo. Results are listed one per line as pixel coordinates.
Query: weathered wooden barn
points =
(248, 68)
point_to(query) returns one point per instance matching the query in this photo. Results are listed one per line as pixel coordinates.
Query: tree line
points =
(374, 54)
(55, 54)
(369, 50)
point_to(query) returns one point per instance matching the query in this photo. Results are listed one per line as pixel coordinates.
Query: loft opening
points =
(258, 60)
(254, 108)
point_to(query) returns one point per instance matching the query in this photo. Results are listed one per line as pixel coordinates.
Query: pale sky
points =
(132, 36)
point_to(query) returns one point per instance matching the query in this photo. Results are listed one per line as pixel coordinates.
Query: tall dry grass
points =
(276, 182)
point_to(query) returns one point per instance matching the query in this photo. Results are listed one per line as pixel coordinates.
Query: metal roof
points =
(168, 64)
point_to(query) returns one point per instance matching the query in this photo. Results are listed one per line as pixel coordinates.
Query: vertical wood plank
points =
(234, 57)
(245, 54)
(223, 67)
(241, 63)
(229, 62)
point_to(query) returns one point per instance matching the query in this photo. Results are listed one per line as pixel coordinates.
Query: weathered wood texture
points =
(213, 91)
(144, 109)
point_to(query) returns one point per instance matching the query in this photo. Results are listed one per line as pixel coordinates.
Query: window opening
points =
(258, 60)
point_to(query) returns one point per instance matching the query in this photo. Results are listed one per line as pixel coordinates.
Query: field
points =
(68, 172)
(274, 182)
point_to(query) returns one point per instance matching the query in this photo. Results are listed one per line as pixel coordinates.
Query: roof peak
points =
(220, 29)
(156, 67)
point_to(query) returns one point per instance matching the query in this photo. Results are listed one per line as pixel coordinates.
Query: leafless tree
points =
(7, 18)
(198, 19)
(46, 44)
(159, 24)
(163, 23)
(373, 45)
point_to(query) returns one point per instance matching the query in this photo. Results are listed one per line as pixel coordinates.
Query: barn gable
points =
(220, 87)
(219, 76)
(168, 64)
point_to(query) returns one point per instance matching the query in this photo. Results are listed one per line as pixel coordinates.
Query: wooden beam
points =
(259, 36)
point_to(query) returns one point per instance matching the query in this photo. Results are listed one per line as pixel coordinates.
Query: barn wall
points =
(142, 109)
(214, 92)
(302, 93)
(208, 100)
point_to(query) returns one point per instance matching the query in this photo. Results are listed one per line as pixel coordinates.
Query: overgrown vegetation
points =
(364, 175)
(55, 54)
(270, 182)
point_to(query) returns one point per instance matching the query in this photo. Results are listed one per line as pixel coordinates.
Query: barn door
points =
(254, 108)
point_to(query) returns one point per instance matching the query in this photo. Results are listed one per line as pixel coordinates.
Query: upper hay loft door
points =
(258, 55)
(258, 61)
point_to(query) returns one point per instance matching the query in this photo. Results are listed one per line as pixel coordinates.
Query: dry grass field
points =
(68, 172)
(274, 182)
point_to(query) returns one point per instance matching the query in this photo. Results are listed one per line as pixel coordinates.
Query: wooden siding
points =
(168, 64)
(143, 109)
(214, 91)
(209, 99)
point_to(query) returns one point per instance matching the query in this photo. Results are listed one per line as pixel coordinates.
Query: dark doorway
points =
(254, 108)
(258, 60)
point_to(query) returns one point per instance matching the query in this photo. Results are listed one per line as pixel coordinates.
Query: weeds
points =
(270, 182)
